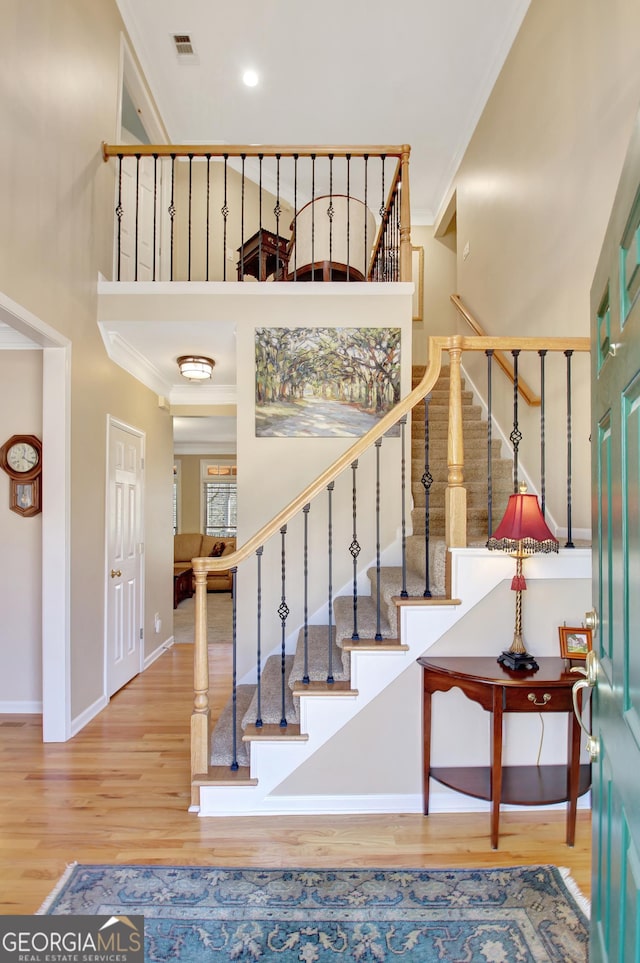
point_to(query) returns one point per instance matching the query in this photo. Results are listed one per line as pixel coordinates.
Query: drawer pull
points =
(545, 699)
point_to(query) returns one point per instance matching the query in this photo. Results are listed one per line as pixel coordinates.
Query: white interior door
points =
(124, 575)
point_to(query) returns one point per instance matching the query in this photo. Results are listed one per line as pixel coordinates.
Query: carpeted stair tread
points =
(318, 656)
(271, 694)
(367, 619)
(222, 736)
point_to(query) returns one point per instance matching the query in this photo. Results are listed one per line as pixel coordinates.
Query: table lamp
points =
(522, 531)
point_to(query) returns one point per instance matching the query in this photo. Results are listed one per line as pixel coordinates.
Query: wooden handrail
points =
(523, 388)
(436, 345)
(249, 150)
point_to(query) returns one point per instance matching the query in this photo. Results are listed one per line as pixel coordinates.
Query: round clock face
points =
(22, 457)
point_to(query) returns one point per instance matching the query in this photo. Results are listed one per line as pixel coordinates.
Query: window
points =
(220, 499)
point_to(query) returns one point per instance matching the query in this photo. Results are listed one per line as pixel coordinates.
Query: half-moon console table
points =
(499, 690)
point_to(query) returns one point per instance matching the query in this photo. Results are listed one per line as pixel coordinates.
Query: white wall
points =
(533, 196)
(21, 544)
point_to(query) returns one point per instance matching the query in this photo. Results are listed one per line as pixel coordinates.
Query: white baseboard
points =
(89, 713)
(21, 708)
(441, 800)
(157, 652)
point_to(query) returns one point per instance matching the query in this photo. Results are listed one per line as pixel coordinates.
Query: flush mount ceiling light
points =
(195, 367)
(250, 78)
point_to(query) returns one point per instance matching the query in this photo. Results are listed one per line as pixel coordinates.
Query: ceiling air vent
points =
(184, 47)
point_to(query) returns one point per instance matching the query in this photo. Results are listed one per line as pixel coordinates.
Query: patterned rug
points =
(527, 914)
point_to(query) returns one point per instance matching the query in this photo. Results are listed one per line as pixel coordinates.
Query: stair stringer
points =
(475, 572)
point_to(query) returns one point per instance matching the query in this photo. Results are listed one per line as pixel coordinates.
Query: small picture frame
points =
(574, 642)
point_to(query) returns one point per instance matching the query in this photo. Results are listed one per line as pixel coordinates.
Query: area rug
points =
(219, 619)
(526, 914)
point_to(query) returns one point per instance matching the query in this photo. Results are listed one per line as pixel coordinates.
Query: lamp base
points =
(518, 661)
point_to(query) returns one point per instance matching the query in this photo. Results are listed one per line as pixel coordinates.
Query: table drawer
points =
(535, 698)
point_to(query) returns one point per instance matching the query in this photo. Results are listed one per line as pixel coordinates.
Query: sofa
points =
(188, 545)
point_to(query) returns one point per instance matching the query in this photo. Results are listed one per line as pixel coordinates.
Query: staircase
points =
(474, 431)
(280, 713)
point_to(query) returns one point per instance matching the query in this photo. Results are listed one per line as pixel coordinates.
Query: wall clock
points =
(21, 458)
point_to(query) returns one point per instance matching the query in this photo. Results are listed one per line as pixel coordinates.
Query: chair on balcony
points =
(332, 240)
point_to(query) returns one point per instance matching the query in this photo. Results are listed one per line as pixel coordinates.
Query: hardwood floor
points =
(118, 792)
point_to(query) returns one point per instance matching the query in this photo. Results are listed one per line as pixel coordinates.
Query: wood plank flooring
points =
(118, 792)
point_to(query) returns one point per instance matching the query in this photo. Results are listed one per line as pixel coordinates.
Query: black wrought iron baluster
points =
(155, 213)
(208, 216)
(427, 482)
(378, 635)
(277, 211)
(543, 483)
(259, 217)
(330, 213)
(397, 203)
(354, 549)
(305, 567)
(489, 354)
(569, 542)
(330, 678)
(366, 189)
(348, 215)
(242, 199)
(259, 639)
(516, 435)
(385, 224)
(172, 212)
(224, 210)
(189, 217)
(403, 485)
(283, 612)
(137, 219)
(295, 216)
(234, 695)
(119, 213)
(313, 217)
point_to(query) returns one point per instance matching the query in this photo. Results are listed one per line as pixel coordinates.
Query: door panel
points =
(615, 921)
(124, 562)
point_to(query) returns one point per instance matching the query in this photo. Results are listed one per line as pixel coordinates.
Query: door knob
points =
(591, 620)
(590, 673)
(115, 573)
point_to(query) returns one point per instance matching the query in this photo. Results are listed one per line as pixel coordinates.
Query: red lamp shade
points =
(523, 529)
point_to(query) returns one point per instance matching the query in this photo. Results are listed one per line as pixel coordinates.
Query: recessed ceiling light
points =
(250, 78)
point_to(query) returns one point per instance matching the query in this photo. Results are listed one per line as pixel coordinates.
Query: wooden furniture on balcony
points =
(333, 237)
(263, 255)
(500, 690)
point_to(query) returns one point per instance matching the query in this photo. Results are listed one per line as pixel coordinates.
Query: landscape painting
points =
(325, 382)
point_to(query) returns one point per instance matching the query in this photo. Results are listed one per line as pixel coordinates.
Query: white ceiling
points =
(412, 72)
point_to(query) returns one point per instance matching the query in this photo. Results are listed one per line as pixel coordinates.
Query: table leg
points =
(426, 749)
(496, 765)
(573, 774)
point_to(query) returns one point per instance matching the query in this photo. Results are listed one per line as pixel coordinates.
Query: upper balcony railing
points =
(211, 213)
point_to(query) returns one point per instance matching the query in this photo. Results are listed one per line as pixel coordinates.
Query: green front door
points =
(615, 439)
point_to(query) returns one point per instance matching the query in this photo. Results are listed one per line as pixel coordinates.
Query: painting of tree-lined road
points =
(325, 381)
